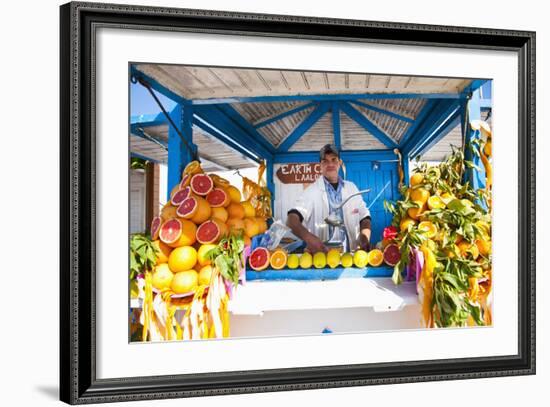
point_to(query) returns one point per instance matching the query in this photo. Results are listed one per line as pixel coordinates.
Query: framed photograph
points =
(254, 203)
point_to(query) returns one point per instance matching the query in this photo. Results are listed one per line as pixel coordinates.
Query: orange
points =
(420, 194)
(182, 258)
(262, 224)
(376, 257)
(220, 213)
(415, 213)
(234, 225)
(205, 275)
(247, 241)
(168, 212)
(484, 246)
(466, 248)
(185, 281)
(201, 254)
(251, 227)
(435, 202)
(188, 232)
(202, 212)
(162, 277)
(249, 211)
(406, 223)
(235, 210)
(428, 228)
(278, 259)
(417, 179)
(234, 193)
(194, 167)
(163, 251)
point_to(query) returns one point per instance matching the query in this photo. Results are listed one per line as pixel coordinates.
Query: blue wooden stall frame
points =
(441, 113)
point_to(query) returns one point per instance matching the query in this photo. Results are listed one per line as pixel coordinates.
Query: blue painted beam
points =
(280, 116)
(336, 125)
(433, 128)
(361, 119)
(473, 86)
(225, 138)
(224, 125)
(383, 111)
(138, 132)
(418, 121)
(347, 156)
(303, 127)
(327, 98)
(236, 117)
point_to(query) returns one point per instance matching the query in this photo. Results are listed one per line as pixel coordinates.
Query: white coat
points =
(313, 205)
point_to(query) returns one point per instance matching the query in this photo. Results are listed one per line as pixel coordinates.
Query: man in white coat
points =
(307, 218)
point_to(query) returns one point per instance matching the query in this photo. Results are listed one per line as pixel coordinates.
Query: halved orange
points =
(278, 259)
(194, 167)
(376, 257)
(406, 223)
(428, 228)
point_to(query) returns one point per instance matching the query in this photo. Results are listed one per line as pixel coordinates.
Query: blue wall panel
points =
(364, 176)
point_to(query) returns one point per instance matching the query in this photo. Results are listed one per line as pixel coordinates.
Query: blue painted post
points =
(178, 155)
(270, 184)
(336, 125)
(406, 169)
(473, 111)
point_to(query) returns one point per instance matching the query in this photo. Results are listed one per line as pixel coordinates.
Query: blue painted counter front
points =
(319, 274)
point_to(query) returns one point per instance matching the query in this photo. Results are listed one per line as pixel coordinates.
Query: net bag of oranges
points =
(258, 194)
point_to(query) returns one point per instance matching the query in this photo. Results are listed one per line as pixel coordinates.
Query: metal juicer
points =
(336, 240)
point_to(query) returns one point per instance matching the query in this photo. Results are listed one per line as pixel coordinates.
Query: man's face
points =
(330, 165)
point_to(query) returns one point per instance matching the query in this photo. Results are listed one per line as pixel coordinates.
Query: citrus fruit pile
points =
(261, 258)
(443, 234)
(204, 210)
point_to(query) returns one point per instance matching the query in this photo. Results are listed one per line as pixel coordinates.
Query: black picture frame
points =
(78, 382)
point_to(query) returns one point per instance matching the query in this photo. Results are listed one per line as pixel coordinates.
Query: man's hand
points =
(315, 245)
(364, 242)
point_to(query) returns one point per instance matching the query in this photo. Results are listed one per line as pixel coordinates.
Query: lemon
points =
(360, 258)
(333, 258)
(347, 260)
(162, 277)
(306, 260)
(293, 261)
(319, 260)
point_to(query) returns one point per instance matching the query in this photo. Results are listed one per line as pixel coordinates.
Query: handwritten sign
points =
(299, 173)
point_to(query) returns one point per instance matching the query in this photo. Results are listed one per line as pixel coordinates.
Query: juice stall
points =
(226, 120)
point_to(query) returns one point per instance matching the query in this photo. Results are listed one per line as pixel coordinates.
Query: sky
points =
(142, 103)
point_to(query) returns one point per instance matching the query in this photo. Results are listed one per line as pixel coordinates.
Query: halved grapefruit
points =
(194, 208)
(170, 231)
(185, 180)
(218, 198)
(201, 184)
(259, 259)
(392, 254)
(155, 227)
(180, 196)
(209, 232)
